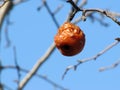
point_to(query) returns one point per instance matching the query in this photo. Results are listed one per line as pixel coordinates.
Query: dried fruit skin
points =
(70, 39)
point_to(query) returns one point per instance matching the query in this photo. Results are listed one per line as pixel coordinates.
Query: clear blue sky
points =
(32, 33)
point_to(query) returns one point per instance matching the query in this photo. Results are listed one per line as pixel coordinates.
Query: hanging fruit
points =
(70, 39)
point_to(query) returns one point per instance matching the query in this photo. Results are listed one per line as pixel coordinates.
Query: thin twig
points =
(80, 18)
(8, 42)
(110, 67)
(100, 53)
(16, 64)
(84, 11)
(36, 74)
(51, 13)
(93, 18)
(40, 7)
(91, 58)
(105, 12)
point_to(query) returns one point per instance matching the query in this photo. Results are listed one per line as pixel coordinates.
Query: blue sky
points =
(32, 32)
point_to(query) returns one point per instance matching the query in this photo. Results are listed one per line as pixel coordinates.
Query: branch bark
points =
(4, 10)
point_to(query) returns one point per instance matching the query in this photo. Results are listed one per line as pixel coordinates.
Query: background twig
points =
(110, 67)
(36, 74)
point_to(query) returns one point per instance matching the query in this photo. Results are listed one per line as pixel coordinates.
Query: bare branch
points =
(36, 74)
(80, 18)
(105, 12)
(4, 9)
(16, 64)
(91, 58)
(36, 67)
(110, 67)
(84, 11)
(92, 18)
(51, 13)
(100, 53)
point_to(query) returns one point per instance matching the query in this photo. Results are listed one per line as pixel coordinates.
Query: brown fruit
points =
(70, 39)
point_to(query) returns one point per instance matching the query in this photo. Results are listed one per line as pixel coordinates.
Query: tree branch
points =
(110, 67)
(84, 11)
(4, 9)
(36, 74)
(36, 67)
(91, 58)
